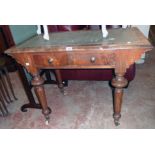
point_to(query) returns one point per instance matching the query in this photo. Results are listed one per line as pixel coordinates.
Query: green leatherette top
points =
(116, 38)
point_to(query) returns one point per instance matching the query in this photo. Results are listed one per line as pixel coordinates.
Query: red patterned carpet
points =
(88, 104)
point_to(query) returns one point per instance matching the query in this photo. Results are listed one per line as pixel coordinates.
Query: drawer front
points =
(51, 59)
(91, 59)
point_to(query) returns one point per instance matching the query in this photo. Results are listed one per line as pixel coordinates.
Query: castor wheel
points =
(47, 119)
(63, 91)
(116, 122)
(47, 122)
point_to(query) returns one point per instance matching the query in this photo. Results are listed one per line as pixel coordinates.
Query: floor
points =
(88, 104)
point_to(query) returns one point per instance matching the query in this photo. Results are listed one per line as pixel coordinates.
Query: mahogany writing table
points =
(82, 50)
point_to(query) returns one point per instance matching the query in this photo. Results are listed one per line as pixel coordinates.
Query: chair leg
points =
(3, 92)
(3, 103)
(3, 113)
(5, 87)
(9, 82)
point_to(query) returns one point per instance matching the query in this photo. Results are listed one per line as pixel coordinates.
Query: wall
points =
(144, 29)
(21, 33)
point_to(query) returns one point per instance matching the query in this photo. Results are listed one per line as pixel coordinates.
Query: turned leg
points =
(59, 81)
(119, 82)
(37, 82)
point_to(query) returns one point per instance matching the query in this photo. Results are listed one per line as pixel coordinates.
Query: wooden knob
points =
(50, 60)
(92, 59)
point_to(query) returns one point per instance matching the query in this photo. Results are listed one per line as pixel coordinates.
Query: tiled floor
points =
(88, 104)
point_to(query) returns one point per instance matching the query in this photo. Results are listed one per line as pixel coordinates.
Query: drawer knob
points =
(92, 59)
(50, 60)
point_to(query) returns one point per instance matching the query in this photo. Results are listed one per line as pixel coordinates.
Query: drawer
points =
(54, 59)
(91, 59)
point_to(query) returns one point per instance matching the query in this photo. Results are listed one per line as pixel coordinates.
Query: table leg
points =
(48, 76)
(60, 82)
(119, 82)
(27, 88)
(38, 82)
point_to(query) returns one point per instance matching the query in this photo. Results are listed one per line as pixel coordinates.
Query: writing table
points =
(82, 50)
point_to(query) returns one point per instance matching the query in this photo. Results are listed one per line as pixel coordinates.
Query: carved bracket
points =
(124, 59)
(26, 61)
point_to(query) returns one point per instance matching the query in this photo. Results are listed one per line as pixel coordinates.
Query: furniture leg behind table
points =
(3, 93)
(9, 82)
(5, 87)
(2, 105)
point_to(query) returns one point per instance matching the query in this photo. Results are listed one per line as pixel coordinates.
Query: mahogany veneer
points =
(82, 50)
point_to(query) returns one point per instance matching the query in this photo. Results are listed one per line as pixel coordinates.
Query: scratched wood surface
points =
(128, 38)
(82, 50)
